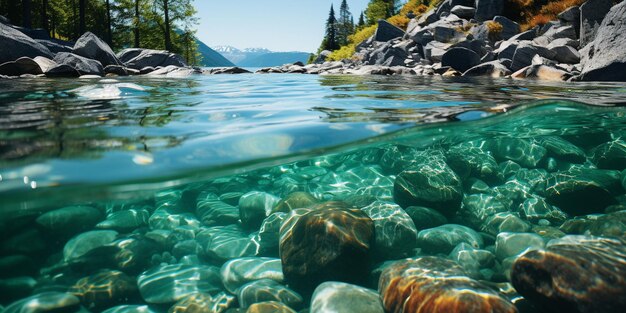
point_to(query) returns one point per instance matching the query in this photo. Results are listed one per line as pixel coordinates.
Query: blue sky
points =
(278, 25)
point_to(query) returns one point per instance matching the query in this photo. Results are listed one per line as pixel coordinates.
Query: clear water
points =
(170, 144)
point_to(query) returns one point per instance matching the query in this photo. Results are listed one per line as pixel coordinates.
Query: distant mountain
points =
(211, 57)
(260, 57)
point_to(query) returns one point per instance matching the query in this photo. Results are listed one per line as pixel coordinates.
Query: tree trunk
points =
(109, 32)
(26, 14)
(136, 29)
(81, 17)
(44, 16)
(168, 40)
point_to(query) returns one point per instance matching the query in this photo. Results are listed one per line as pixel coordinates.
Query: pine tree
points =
(361, 21)
(345, 25)
(330, 40)
(380, 9)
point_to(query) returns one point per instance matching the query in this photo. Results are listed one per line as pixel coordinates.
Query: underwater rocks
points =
(574, 274)
(254, 207)
(237, 272)
(45, 302)
(444, 238)
(204, 303)
(268, 290)
(69, 220)
(325, 244)
(336, 297)
(582, 191)
(433, 284)
(396, 234)
(105, 289)
(434, 185)
(170, 283)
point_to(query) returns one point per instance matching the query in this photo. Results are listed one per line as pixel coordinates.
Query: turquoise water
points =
(187, 177)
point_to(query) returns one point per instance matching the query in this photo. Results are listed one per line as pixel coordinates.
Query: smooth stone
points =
(62, 70)
(472, 260)
(574, 274)
(268, 290)
(125, 221)
(434, 185)
(170, 283)
(130, 309)
(434, 284)
(509, 28)
(477, 208)
(295, 200)
(169, 218)
(566, 54)
(223, 243)
(269, 307)
(581, 191)
(514, 244)
(103, 289)
(254, 207)
(563, 149)
(324, 244)
(92, 47)
(395, 232)
(16, 288)
(70, 220)
(336, 297)
(85, 242)
(213, 212)
(536, 209)
(469, 160)
(504, 222)
(204, 303)
(268, 237)
(524, 152)
(21, 66)
(45, 302)
(460, 59)
(444, 238)
(424, 218)
(238, 272)
(461, 11)
(609, 225)
(610, 155)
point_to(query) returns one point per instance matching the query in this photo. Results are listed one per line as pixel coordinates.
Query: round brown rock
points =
(433, 284)
(324, 244)
(574, 274)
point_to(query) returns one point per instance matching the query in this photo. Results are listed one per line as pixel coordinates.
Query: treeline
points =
(152, 24)
(343, 35)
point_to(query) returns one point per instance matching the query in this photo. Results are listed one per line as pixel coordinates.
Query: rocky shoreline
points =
(456, 38)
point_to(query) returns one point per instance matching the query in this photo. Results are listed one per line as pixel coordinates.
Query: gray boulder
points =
(592, 13)
(509, 28)
(447, 33)
(62, 70)
(83, 65)
(488, 9)
(561, 32)
(571, 15)
(386, 31)
(460, 59)
(493, 69)
(226, 70)
(463, 11)
(44, 63)
(92, 47)
(507, 50)
(16, 45)
(428, 18)
(527, 35)
(566, 54)
(321, 58)
(140, 58)
(524, 55)
(116, 69)
(55, 46)
(4, 20)
(605, 58)
(24, 65)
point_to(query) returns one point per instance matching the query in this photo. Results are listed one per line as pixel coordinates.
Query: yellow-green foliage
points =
(347, 51)
(494, 27)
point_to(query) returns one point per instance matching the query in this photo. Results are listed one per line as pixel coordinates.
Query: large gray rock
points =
(605, 58)
(488, 9)
(509, 28)
(592, 13)
(463, 11)
(83, 65)
(524, 54)
(20, 66)
(341, 297)
(560, 32)
(55, 45)
(140, 58)
(387, 31)
(92, 47)
(460, 59)
(493, 69)
(566, 54)
(16, 45)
